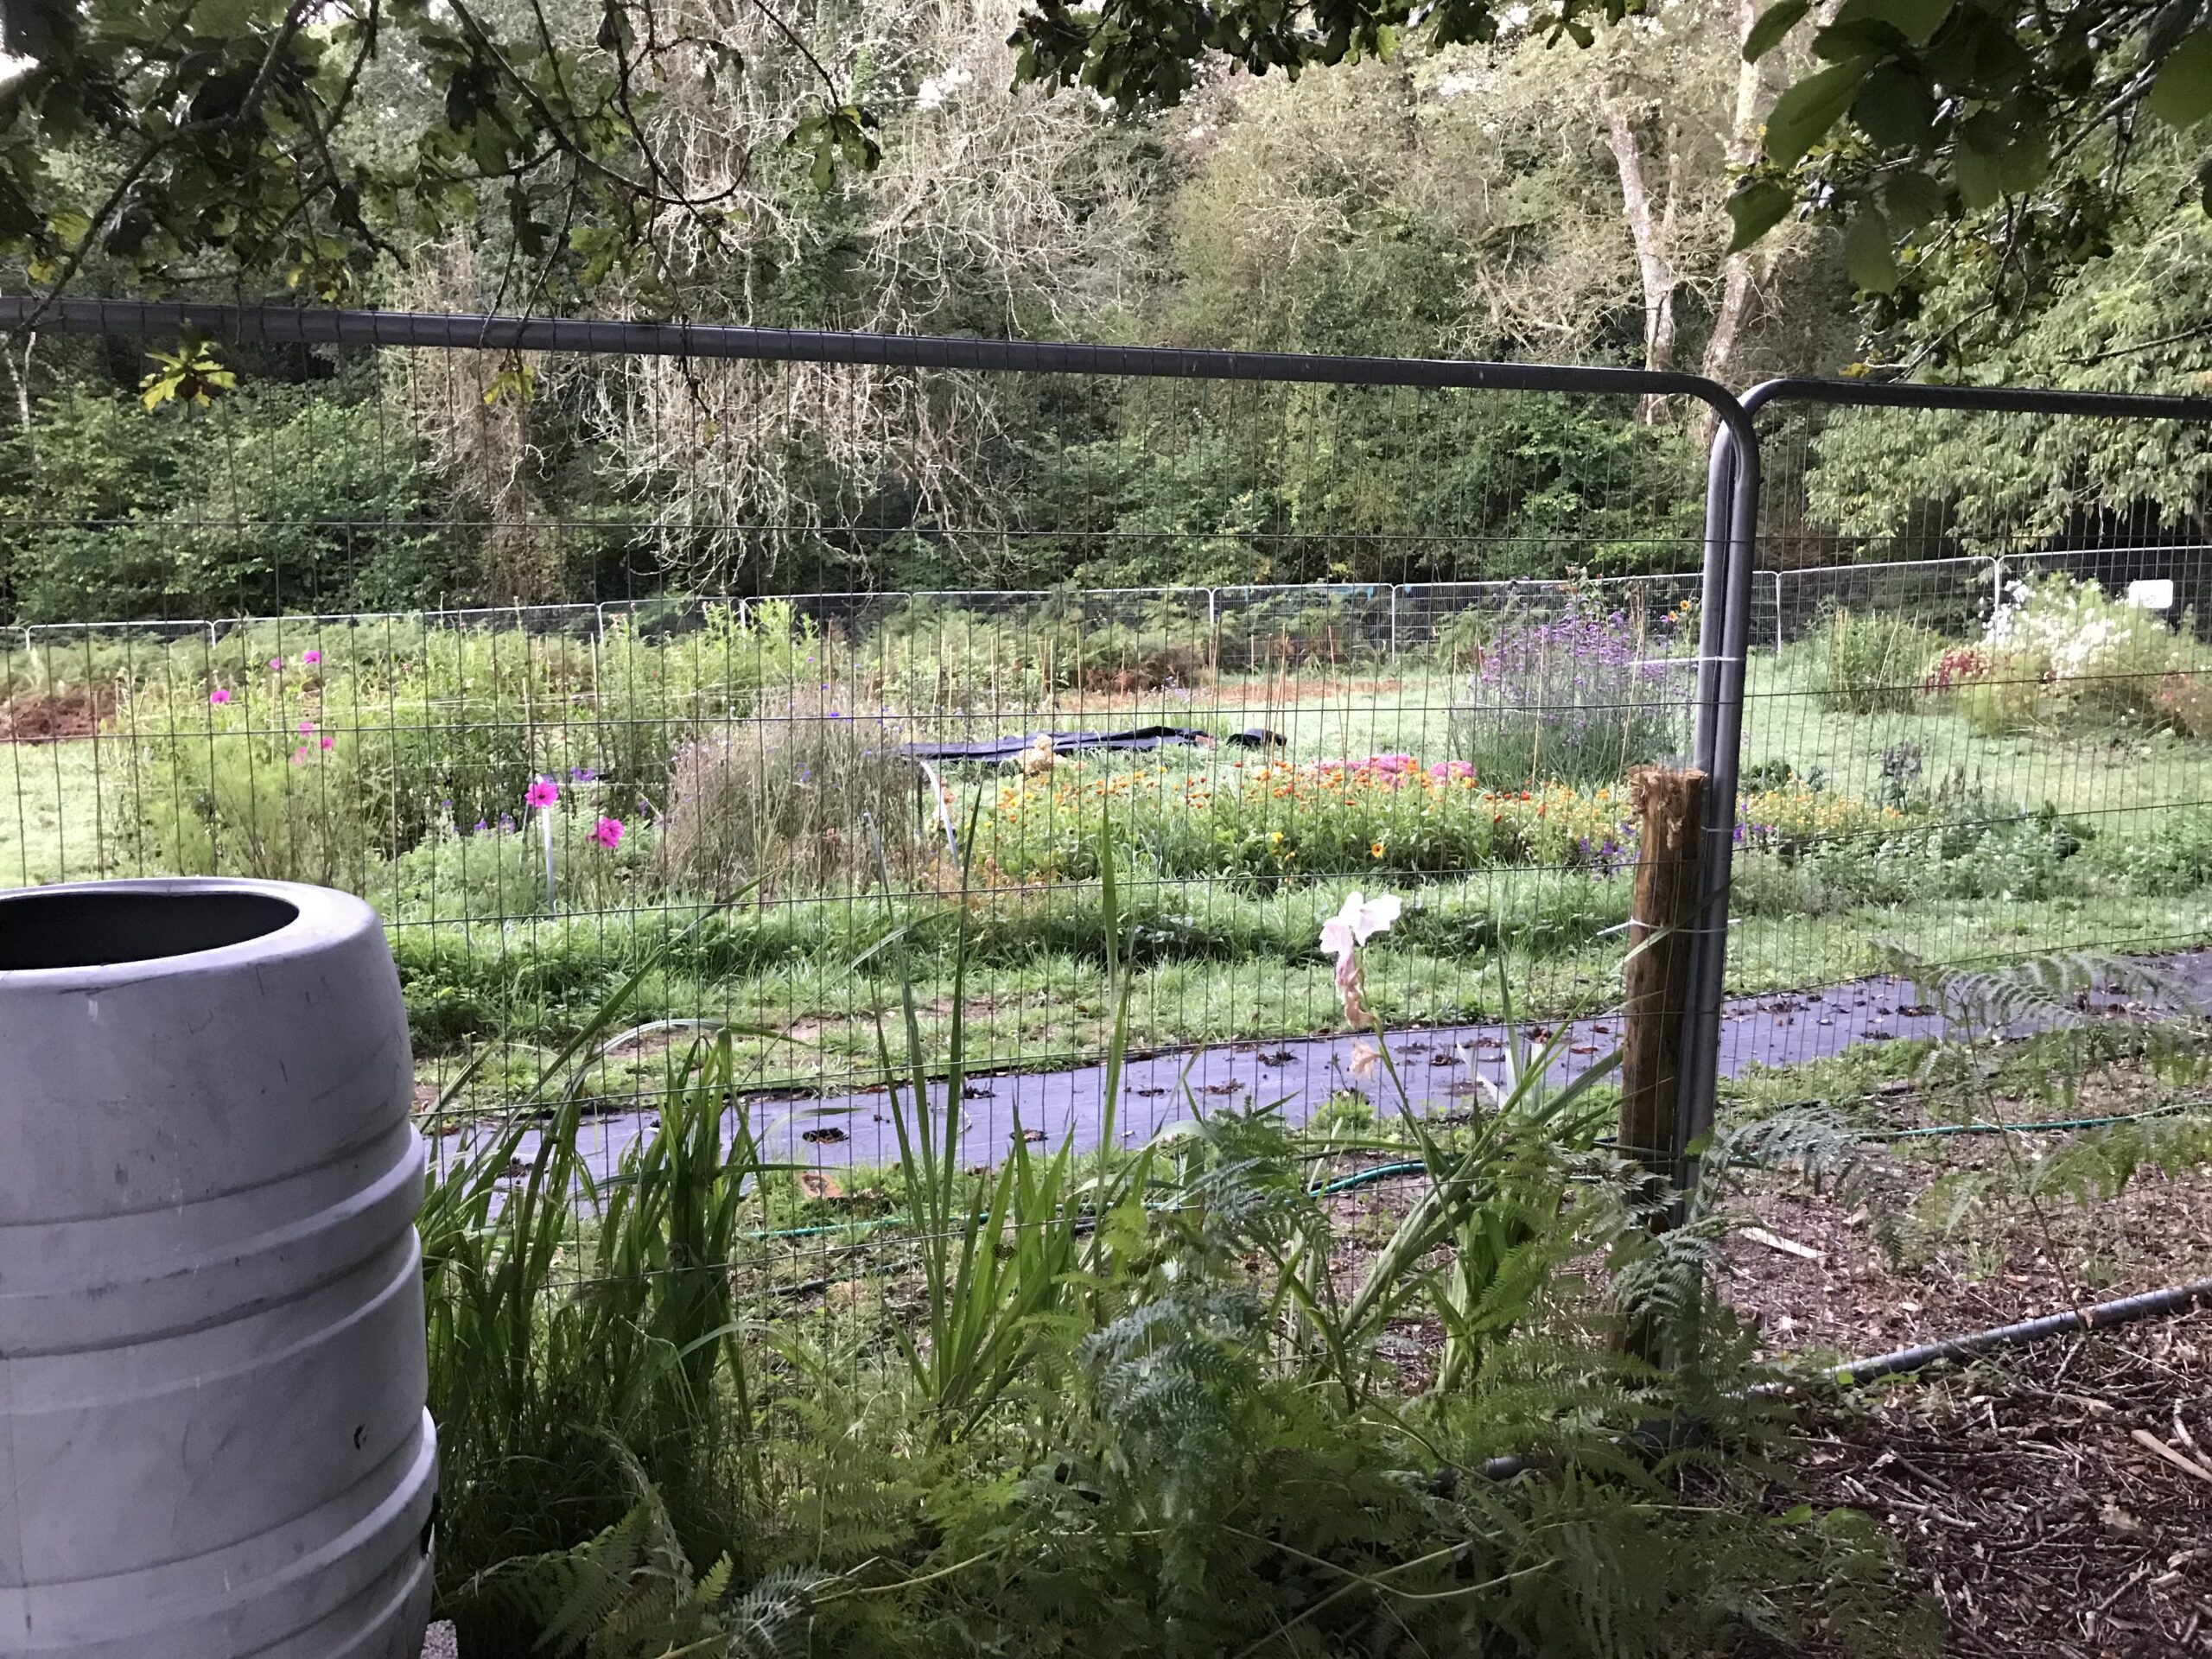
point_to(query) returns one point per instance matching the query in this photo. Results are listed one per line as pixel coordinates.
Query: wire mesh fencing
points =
(1983, 756)
(812, 804)
(1253, 646)
(950, 764)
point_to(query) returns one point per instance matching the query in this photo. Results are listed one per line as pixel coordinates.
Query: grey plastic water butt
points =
(212, 1440)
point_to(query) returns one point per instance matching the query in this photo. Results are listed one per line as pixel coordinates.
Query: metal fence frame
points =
(1727, 580)
(1733, 489)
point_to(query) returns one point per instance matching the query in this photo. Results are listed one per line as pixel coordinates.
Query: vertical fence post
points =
(1670, 804)
(1732, 501)
(1393, 625)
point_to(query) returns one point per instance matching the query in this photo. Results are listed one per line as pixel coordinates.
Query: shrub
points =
(1578, 699)
(600, 861)
(1794, 817)
(2160, 855)
(642, 698)
(1871, 665)
(929, 656)
(281, 495)
(411, 730)
(2184, 702)
(2058, 645)
(788, 796)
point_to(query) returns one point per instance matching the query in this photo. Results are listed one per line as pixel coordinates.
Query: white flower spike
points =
(1360, 920)
(1342, 935)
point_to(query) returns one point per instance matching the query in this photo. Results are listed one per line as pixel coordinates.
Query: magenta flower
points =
(219, 695)
(542, 793)
(607, 832)
(329, 741)
(307, 726)
(275, 664)
(308, 658)
(300, 755)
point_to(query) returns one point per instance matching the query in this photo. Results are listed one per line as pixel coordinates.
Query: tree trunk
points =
(1739, 280)
(1658, 274)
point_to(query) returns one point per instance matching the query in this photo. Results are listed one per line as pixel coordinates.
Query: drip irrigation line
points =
(2102, 1316)
(1652, 1438)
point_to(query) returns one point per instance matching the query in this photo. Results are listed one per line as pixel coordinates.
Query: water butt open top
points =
(212, 1440)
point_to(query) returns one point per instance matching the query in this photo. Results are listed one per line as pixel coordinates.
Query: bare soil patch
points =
(55, 717)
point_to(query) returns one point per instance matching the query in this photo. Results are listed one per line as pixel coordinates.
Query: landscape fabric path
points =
(1442, 1069)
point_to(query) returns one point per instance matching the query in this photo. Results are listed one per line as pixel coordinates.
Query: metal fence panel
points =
(766, 784)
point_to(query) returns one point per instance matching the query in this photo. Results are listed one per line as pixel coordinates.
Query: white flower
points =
(1360, 920)
(937, 90)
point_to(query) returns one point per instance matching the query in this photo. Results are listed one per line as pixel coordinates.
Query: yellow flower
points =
(1374, 849)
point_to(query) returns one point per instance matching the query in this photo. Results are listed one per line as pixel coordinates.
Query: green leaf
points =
(1777, 21)
(1851, 42)
(1756, 207)
(1895, 109)
(1913, 199)
(1917, 20)
(2025, 163)
(2182, 95)
(1867, 253)
(1979, 185)
(1804, 114)
(219, 20)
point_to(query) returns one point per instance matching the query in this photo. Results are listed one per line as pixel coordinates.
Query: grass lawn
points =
(58, 806)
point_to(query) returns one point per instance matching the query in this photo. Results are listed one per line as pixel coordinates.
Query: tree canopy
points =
(280, 138)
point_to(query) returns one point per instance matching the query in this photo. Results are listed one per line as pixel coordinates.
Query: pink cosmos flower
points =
(300, 755)
(542, 793)
(307, 726)
(275, 664)
(329, 742)
(310, 658)
(607, 832)
(219, 695)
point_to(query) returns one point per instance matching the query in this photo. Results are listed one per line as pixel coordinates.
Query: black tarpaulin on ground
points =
(1135, 738)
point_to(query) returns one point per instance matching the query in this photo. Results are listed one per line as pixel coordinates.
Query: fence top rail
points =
(288, 325)
(612, 608)
(1994, 400)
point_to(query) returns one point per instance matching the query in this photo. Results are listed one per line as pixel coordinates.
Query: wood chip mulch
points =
(2026, 1498)
(2053, 1500)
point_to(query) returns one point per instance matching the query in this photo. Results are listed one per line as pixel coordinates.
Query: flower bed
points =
(1262, 819)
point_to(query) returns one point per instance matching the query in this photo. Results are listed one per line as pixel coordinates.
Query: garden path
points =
(1442, 1070)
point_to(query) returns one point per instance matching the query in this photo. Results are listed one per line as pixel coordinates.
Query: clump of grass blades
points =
(776, 798)
(1872, 663)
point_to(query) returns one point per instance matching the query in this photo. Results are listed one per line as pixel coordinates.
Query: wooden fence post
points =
(1670, 803)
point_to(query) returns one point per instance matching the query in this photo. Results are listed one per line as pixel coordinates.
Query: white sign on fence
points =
(2157, 595)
